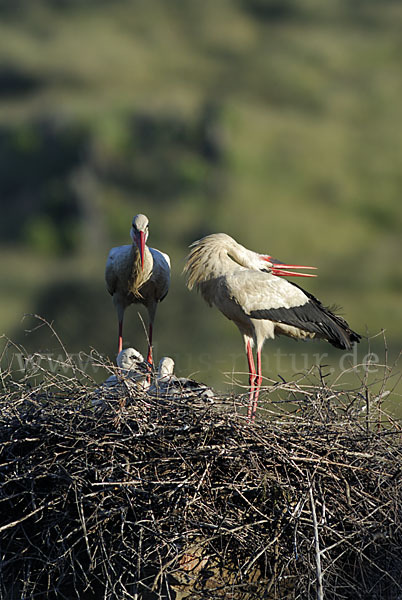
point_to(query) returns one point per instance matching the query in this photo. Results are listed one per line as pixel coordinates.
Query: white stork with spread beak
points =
(137, 274)
(247, 288)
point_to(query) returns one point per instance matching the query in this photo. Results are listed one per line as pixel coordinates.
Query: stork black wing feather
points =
(313, 317)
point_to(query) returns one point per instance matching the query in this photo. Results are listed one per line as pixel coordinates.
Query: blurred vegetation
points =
(277, 122)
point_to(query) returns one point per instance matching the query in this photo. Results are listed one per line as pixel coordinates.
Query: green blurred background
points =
(275, 121)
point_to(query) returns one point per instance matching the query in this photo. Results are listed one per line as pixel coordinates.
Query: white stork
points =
(167, 384)
(137, 274)
(133, 367)
(245, 286)
(132, 375)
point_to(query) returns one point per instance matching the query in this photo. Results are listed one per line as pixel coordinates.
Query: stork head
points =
(139, 234)
(129, 359)
(276, 267)
(166, 367)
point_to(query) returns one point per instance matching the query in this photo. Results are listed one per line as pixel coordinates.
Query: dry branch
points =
(155, 499)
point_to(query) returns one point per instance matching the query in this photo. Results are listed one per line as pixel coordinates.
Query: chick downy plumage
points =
(168, 385)
(132, 376)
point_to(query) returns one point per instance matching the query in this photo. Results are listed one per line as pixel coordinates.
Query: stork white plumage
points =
(137, 274)
(132, 367)
(167, 384)
(246, 287)
(131, 375)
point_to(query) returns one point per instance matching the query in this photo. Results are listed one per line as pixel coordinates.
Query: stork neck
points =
(139, 275)
(242, 256)
(214, 255)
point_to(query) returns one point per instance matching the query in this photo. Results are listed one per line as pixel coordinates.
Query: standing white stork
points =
(137, 274)
(245, 286)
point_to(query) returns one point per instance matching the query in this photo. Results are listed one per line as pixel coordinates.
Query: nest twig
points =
(149, 498)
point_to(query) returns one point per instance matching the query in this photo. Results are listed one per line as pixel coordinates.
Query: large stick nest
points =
(149, 498)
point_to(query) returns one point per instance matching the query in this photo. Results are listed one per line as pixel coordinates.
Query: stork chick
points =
(168, 384)
(132, 374)
(132, 366)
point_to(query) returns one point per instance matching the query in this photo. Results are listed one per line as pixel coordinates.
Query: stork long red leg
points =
(251, 377)
(120, 343)
(149, 357)
(257, 385)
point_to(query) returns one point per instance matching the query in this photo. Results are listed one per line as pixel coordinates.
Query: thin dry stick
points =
(320, 590)
(173, 478)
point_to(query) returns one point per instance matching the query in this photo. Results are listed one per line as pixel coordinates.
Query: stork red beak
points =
(281, 269)
(142, 248)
